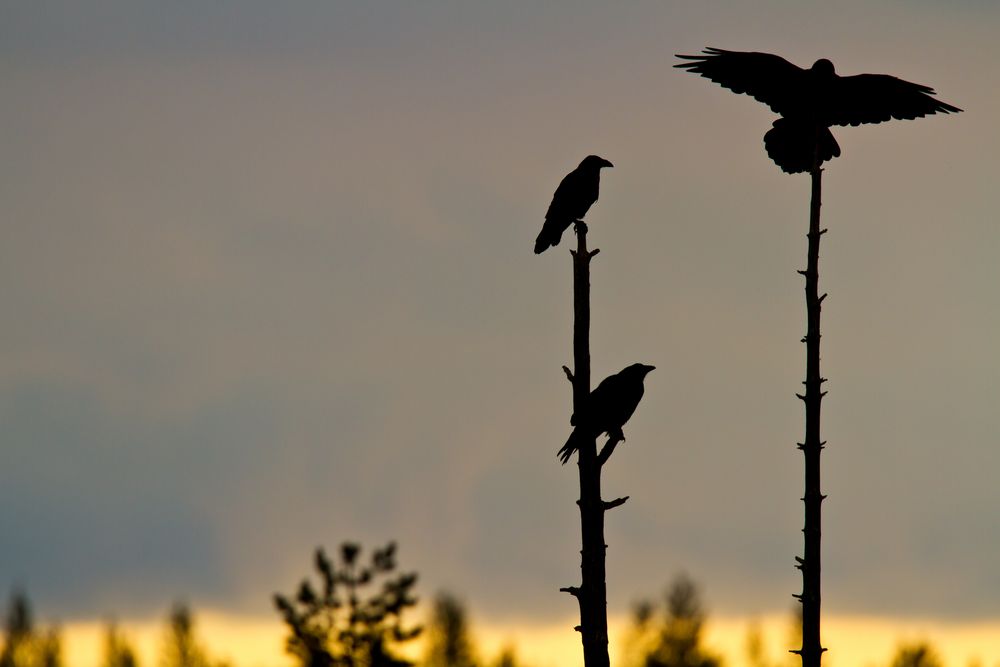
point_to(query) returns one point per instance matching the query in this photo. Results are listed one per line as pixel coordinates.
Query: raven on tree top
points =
(573, 198)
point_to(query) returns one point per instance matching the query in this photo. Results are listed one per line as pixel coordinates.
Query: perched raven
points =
(608, 408)
(574, 196)
(811, 100)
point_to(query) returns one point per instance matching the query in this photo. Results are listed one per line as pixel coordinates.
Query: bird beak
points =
(607, 164)
(650, 368)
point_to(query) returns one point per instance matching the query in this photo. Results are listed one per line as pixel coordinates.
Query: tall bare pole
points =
(592, 594)
(812, 650)
(816, 98)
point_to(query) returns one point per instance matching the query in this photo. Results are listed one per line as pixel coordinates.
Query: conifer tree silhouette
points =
(810, 101)
(182, 647)
(23, 643)
(918, 654)
(333, 626)
(448, 637)
(118, 652)
(671, 635)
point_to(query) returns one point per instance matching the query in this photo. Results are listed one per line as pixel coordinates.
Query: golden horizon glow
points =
(853, 641)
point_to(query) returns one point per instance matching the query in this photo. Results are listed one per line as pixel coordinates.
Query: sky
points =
(269, 285)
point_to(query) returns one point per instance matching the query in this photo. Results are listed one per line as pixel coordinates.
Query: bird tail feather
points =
(791, 145)
(549, 237)
(572, 445)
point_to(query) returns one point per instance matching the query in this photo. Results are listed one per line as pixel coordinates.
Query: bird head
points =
(823, 68)
(640, 369)
(594, 162)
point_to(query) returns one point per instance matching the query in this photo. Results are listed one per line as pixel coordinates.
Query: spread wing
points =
(766, 77)
(876, 98)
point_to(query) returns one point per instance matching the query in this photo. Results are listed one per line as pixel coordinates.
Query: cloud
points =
(105, 514)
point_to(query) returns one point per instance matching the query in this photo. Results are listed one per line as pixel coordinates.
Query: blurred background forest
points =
(350, 613)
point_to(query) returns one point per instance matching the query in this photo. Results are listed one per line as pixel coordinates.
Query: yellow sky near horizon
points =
(853, 641)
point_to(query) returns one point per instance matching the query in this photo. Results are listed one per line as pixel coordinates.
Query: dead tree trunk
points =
(592, 592)
(812, 650)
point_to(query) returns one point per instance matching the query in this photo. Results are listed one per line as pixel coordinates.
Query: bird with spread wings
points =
(811, 100)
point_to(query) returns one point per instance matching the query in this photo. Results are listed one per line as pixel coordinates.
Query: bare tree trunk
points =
(812, 650)
(592, 593)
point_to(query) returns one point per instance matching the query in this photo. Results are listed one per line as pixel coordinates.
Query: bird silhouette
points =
(811, 100)
(608, 408)
(571, 201)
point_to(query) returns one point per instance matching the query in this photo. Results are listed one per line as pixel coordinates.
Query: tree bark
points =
(592, 593)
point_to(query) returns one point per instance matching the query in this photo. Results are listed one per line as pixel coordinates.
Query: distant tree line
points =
(351, 615)
(27, 645)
